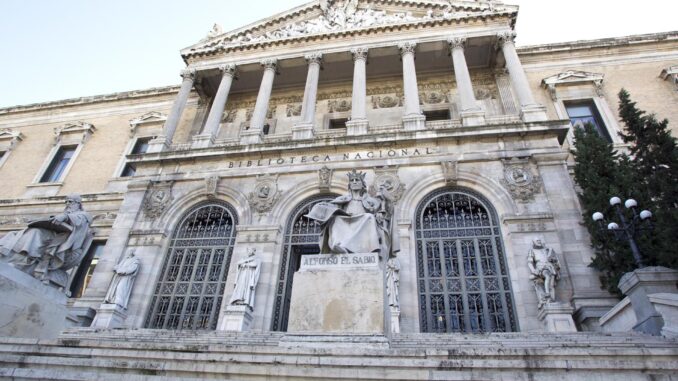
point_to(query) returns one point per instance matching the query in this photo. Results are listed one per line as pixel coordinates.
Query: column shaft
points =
(515, 69)
(261, 107)
(462, 76)
(220, 99)
(359, 99)
(179, 104)
(410, 87)
(311, 90)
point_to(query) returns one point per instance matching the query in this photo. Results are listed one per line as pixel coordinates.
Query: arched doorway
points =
(302, 237)
(462, 278)
(191, 285)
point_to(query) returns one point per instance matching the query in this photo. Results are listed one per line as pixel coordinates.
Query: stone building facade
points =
(431, 99)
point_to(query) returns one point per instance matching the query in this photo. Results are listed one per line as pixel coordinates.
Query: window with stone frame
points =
(83, 273)
(58, 164)
(140, 147)
(582, 112)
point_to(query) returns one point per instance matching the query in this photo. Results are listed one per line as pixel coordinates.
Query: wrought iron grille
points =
(302, 236)
(462, 278)
(190, 289)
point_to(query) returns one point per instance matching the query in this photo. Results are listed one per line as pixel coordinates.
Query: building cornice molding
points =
(663, 37)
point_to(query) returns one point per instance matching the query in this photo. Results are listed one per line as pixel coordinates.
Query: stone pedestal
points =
(557, 317)
(357, 127)
(473, 118)
(237, 318)
(414, 122)
(202, 141)
(251, 137)
(533, 113)
(109, 316)
(29, 308)
(395, 320)
(342, 294)
(159, 144)
(302, 131)
(638, 285)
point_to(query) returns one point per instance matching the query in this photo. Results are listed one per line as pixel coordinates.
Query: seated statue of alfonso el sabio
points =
(357, 222)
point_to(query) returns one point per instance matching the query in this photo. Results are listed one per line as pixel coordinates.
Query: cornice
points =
(600, 43)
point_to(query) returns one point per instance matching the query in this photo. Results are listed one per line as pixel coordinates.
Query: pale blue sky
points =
(54, 50)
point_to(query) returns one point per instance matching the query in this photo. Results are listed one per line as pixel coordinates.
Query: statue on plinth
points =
(49, 247)
(393, 282)
(121, 287)
(246, 280)
(544, 271)
(356, 222)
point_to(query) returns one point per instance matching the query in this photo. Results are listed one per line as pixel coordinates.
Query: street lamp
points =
(629, 228)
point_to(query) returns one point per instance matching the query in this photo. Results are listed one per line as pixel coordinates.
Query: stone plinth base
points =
(29, 308)
(338, 294)
(557, 317)
(237, 318)
(357, 127)
(202, 141)
(638, 285)
(414, 122)
(251, 137)
(473, 118)
(302, 131)
(159, 144)
(109, 316)
(533, 113)
(395, 320)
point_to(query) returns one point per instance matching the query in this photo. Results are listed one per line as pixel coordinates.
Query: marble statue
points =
(356, 222)
(123, 280)
(246, 280)
(393, 282)
(545, 271)
(49, 247)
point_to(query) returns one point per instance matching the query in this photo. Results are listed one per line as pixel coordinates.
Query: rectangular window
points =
(140, 147)
(434, 115)
(58, 165)
(338, 123)
(583, 112)
(84, 272)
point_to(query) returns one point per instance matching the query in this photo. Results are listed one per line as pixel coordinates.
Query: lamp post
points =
(628, 228)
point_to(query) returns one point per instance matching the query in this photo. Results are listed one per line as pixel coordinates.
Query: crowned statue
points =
(357, 222)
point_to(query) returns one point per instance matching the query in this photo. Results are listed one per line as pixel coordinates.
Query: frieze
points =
(340, 105)
(387, 101)
(293, 110)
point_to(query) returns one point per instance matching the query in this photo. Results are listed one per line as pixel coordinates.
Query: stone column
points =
(358, 123)
(162, 142)
(413, 119)
(304, 129)
(471, 113)
(530, 111)
(255, 134)
(209, 133)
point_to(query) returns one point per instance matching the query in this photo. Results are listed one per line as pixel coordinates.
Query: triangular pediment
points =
(572, 76)
(149, 117)
(323, 17)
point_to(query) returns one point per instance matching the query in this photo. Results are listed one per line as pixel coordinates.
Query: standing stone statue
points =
(49, 247)
(246, 280)
(123, 280)
(545, 271)
(393, 282)
(356, 222)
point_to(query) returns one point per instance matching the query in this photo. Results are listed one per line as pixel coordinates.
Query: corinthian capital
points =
(456, 42)
(407, 47)
(506, 38)
(229, 69)
(315, 58)
(187, 74)
(359, 53)
(270, 63)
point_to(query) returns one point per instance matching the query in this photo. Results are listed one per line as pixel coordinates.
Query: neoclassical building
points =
(431, 99)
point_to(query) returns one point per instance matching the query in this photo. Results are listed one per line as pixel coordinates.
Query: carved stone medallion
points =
(341, 105)
(386, 101)
(520, 181)
(157, 199)
(387, 179)
(265, 193)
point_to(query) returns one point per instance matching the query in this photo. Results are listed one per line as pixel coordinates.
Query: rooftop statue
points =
(356, 222)
(49, 247)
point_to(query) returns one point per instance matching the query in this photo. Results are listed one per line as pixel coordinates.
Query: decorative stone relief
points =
(77, 132)
(211, 184)
(149, 118)
(157, 199)
(387, 101)
(293, 110)
(339, 105)
(9, 138)
(485, 93)
(544, 271)
(671, 74)
(265, 193)
(519, 180)
(433, 97)
(229, 116)
(386, 180)
(450, 171)
(325, 178)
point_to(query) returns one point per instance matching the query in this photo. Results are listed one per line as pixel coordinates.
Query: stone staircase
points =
(142, 354)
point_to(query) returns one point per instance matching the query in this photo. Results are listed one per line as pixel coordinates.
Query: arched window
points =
(463, 282)
(189, 291)
(302, 237)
